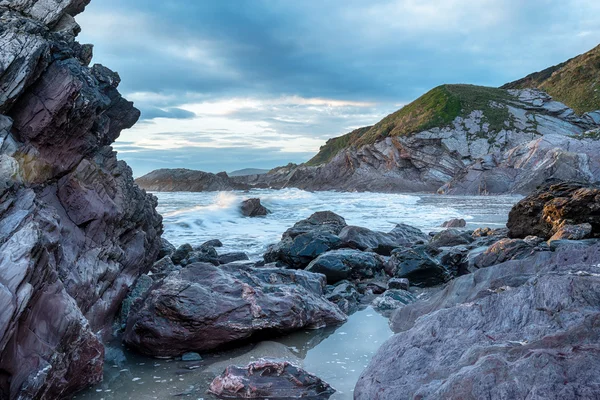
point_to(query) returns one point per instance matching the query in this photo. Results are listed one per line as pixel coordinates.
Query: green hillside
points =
(575, 82)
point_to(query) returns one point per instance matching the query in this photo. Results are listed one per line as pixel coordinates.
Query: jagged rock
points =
(212, 243)
(253, 208)
(508, 249)
(187, 180)
(398, 283)
(382, 243)
(392, 299)
(181, 253)
(455, 259)
(321, 221)
(163, 267)
(265, 379)
(344, 264)
(203, 307)
(455, 223)
(524, 329)
(233, 257)
(344, 295)
(136, 293)
(451, 237)
(573, 232)
(417, 265)
(166, 248)
(545, 211)
(75, 231)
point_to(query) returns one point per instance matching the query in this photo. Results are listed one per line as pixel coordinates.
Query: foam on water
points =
(197, 217)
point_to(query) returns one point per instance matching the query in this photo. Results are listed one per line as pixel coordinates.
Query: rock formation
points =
(187, 180)
(253, 208)
(75, 231)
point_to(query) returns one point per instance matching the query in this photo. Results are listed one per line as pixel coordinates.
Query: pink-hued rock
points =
(75, 231)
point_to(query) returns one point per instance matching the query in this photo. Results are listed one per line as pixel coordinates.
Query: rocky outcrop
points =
(203, 307)
(344, 264)
(547, 210)
(253, 208)
(455, 223)
(266, 379)
(360, 238)
(75, 231)
(524, 329)
(187, 180)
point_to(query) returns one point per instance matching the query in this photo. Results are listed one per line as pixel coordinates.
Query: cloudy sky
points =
(228, 84)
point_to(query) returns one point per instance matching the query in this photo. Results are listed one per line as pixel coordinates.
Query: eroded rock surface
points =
(75, 231)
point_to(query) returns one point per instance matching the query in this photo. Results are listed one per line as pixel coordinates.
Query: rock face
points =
(253, 208)
(266, 379)
(187, 180)
(524, 329)
(75, 231)
(203, 307)
(547, 210)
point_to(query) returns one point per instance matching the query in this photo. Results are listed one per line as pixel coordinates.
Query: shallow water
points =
(337, 355)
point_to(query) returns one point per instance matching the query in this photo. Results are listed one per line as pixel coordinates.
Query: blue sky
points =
(228, 84)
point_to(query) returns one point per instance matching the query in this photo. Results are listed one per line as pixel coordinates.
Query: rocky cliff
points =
(75, 231)
(187, 180)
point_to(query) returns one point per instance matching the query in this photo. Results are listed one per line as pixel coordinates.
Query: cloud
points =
(292, 74)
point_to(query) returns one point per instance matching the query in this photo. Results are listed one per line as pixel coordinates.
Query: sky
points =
(231, 84)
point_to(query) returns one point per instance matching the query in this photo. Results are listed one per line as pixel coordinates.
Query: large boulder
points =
(418, 265)
(547, 210)
(253, 208)
(343, 264)
(451, 237)
(509, 249)
(455, 223)
(524, 329)
(75, 230)
(344, 295)
(360, 238)
(203, 307)
(269, 379)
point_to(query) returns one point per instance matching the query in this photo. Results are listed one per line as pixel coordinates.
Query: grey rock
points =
(508, 249)
(212, 243)
(345, 264)
(392, 299)
(163, 267)
(253, 208)
(398, 283)
(181, 253)
(573, 232)
(232, 257)
(382, 243)
(344, 295)
(451, 237)
(187, 180)
(166, 248)
(418, 266)
(455, 223)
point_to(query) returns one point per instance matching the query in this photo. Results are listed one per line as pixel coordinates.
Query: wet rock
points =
(553, 206)
(509, 249)
(299, 251)
(212, 243)
(253, 208)
(321, 221)
(406, 235)
(572, 232)
(166, 248)
(232, 257)
(181, 253)
(455, 223)
(343, 264)
(451, 237)
(521, 325)
(203, 307)
(382, 243)
(392, 299)
(418, 266)
(137, 293)
(163, 267)
(266, 379)
(455, 259)
(398, 283)
(344, 295)
(372, 287)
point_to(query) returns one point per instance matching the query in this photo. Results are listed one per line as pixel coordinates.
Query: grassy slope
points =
(437, 108)
(575, 82)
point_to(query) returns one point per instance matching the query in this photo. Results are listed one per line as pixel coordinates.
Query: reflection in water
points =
(336, 355)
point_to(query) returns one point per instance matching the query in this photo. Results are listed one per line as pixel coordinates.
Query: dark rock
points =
(136, 294)
(382, 243)
(344, 264)
(372, 287)
(302, 249)
(344, 295)
(451, 237)
(202, 254)
(203, 307)
(508, 249)
(166, 248)
(398, 283)
(191, 356)
(321, 221)
(573, 232)
(181, 253)
(418, 266)
(75, 230)
(187, 180)
(212, 243)
(269, 380)
(546, 210)
(455, 223)
(455, 259)
(163, 267)
(524, 329)
(253, 208)
(392, 299)
(232, 257)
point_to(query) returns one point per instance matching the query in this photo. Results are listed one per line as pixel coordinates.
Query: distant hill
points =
(248, 171)
(575, 82)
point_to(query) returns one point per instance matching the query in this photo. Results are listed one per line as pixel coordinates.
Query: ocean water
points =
(197, 217)
(336, 354)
